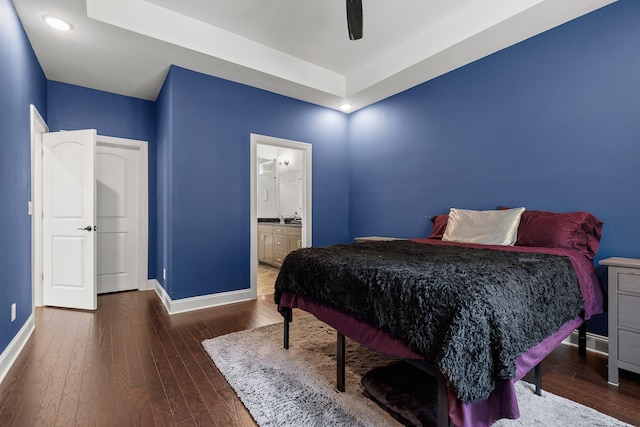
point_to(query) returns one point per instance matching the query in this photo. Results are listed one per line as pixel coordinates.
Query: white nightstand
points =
(624, 315)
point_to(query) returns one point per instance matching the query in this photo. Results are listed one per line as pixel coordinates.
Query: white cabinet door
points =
(69, 242)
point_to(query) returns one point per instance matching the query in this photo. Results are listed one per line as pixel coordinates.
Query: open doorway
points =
(280, 206)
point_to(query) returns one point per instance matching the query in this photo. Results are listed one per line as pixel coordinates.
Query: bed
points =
(478, 316)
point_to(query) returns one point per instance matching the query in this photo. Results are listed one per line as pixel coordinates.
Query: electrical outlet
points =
(13, 312)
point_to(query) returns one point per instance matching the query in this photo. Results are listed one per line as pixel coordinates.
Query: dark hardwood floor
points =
(131, 364)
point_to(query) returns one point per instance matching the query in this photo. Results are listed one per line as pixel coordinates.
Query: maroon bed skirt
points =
(502, 403)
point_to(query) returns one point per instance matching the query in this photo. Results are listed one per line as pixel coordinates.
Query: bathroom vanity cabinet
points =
(275, 241)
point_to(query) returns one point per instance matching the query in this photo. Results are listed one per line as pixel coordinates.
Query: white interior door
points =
(117, 177)
(69, 240)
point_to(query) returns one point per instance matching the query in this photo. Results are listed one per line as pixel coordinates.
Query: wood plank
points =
(66, 414)
(56, 364)
(105, 398)
(187, 369)
(86, 413)
(139, 399)
(161, 348)
(25, 394)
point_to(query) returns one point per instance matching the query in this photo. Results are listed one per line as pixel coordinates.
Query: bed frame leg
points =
(443, 401)
(340, 352)
(582, 339)
(538, 379)
(287, 314)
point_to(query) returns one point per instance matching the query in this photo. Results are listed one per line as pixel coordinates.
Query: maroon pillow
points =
(580, 231)
(439, 225)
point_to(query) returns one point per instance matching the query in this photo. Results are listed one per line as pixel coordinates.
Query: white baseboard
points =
(197, 303)
(11, 353)
(595, 342)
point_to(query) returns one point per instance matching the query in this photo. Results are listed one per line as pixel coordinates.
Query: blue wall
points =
(73, 107)
(551, 124)
(209, 217)
(164, 174)
(23, 83)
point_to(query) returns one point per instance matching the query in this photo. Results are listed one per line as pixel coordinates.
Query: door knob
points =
(87, 228)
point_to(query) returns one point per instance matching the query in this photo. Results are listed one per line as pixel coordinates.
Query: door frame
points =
(38, 127)
(307, 227)
(143, 200)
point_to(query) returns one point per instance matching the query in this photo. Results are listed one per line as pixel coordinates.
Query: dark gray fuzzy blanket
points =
(471, 311)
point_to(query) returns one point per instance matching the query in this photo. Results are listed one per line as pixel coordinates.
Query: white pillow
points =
(496, 227)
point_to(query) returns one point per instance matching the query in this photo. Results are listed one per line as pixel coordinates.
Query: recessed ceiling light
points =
(346, 107)
(57, 23)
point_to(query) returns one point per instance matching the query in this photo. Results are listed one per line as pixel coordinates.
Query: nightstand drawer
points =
(629, 282)
(628, 309)
(629, 347)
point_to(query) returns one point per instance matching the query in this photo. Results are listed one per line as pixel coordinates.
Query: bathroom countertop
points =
(276, 221)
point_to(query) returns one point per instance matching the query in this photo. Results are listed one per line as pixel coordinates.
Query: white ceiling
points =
(297, 48)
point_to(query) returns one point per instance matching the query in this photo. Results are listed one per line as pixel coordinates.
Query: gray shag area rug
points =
(296, 387)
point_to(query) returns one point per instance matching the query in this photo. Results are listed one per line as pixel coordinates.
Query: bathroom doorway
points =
(280, 205)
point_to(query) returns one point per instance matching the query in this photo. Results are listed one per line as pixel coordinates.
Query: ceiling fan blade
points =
(354, 19)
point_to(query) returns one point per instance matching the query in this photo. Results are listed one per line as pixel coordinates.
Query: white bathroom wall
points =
(290, 193)
(267, 190)
(279, 192)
